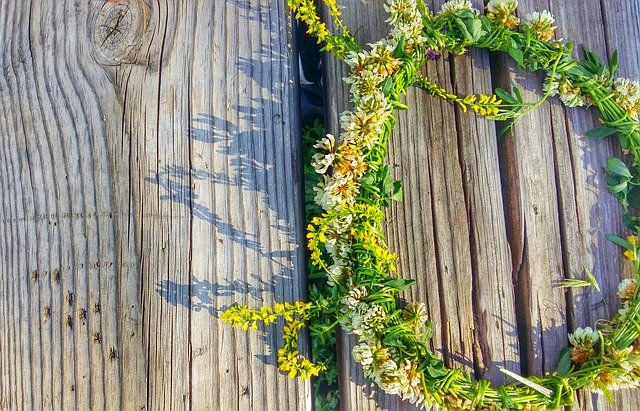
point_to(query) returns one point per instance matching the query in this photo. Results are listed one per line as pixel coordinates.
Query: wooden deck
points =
(150, 175)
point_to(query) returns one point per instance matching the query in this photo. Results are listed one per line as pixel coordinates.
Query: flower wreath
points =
(352, 283)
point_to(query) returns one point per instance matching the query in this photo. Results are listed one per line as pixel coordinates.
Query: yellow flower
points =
(630, 255)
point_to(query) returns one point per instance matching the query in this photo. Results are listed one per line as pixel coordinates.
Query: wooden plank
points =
(555, 183)
(449, 231)
(150, 176)
(556, 211)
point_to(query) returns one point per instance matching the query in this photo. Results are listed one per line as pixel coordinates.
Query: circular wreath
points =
(354, 286)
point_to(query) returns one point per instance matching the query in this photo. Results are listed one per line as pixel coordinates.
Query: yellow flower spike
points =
(630, 255)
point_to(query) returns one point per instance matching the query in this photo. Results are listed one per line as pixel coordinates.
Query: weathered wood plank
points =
(565, 219)
(449, 231)
(552, 224)
(150, 176)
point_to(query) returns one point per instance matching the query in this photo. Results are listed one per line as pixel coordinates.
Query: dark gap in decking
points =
(309, 66)
(564, 237)
(515, 226)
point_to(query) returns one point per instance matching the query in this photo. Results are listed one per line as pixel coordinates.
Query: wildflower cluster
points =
(296, 315)
(354, 281)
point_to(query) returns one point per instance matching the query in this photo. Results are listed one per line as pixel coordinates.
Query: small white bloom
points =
(569, 94)
(353, 321)
(583, 338)
(627, 94)
(453, 6)
(327, 143)
(321, 162)
(336, 273)
(502, 6)
(363, 354)
(541, 23)
(355, 296)
(627, 288)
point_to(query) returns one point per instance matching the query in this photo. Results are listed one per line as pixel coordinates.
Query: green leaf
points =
(367, 180)
(474, 28)
(386, 85)
(393, 340)
(387, 181)
(436, 370)
(397, 191)
(617, 167)
(577, 72)
(634, 197)
(600, 132)
(399, 284)
(617, 188)
(399, 51)
(518, 94)
(613, 65)
(631, 222)
(506, 96)
(564, 365)
(620, 241)
(516, 55)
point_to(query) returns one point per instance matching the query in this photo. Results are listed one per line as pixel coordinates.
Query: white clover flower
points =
(627, 288)
(335, 191)
(416, 313)
(336, 273)
(405, 20)
(321, 162)
(342, 224)
(355, 296)
(539, 18)
(623, 312)
(364, 84)
(373, 321)
(616, 379)
(382, 58)
(569, 94)
(363, 354)
(551, 84)
(401, 11)
(338, 249)
(327, 143)
(501, 12)
(379, 59)
(453, 6)
(541, 23)
(584, 338)
(627, 94)
(353, 321)
(391, 379)
(356, 60)
(625, 87)
(502, 6)
(350, 161)
(411, 382)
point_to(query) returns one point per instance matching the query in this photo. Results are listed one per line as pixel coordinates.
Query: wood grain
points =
(150, 176)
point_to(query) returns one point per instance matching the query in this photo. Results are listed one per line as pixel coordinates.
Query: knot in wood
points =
(119, 31)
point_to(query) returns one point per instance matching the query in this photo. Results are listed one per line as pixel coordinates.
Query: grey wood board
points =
(151, 176)
(488, 226)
